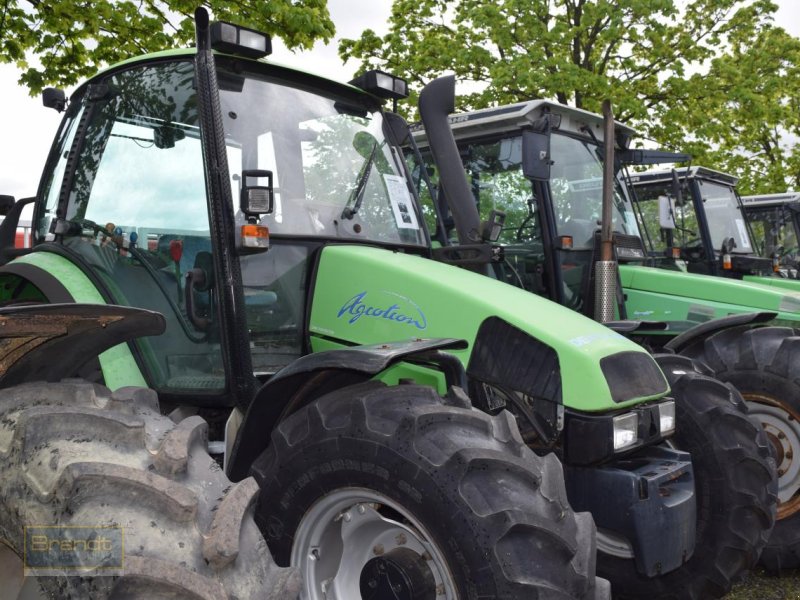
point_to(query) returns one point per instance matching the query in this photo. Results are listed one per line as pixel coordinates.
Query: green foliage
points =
(714, 77)
(74, 38)
(742, 115)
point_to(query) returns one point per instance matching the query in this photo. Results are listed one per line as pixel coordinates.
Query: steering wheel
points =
(693, 249)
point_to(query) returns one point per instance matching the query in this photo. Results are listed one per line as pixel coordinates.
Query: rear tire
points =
(74, 454)
(735, 491)
(493, 516)
(764, 365)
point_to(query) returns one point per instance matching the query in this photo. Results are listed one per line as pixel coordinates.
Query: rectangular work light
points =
(382, 84)
(242, 41)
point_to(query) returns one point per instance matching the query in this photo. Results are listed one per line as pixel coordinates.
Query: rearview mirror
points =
(536, 155)
(666, 212)
(6, 202)
(54, 98)
(677, 193)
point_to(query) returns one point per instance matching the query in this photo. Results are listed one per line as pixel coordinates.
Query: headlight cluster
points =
(593, 438)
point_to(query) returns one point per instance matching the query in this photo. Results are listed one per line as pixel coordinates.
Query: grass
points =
(760, 586)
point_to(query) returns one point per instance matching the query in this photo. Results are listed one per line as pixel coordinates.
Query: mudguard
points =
(314, 375)
(48, 342)
(629, 326)
(704, 330)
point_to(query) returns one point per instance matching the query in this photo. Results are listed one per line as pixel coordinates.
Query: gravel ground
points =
(760, 586)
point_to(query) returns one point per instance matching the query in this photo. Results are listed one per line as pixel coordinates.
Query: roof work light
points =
(242, 41)
(382, 84)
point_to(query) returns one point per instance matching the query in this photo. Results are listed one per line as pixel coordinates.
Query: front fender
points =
(314, 375)
(709, 328)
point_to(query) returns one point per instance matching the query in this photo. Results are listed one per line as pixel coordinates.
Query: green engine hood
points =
(662, 295)
(367, 295)
(784, 283)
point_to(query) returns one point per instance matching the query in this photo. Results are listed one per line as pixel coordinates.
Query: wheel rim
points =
(613, 544)
(782, 426)
(354, 539)
(15, 585)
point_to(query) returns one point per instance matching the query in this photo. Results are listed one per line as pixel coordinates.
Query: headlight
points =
(625, 431)
(666, 417)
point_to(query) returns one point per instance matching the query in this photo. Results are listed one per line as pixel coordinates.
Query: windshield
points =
(576, 183)
(773, 229)
(725, 218)
(334, 173)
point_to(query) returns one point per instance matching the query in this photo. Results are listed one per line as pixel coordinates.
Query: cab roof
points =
(769, 200)
(502, 119)
(190, 52)
(690, 172)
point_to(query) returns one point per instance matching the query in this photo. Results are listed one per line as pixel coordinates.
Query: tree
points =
(74, 38)
(647, 56)
(743, 115)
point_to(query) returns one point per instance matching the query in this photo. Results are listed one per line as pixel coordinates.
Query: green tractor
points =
(775, 222)
(693, 219)
(540, 164)
(229, 249)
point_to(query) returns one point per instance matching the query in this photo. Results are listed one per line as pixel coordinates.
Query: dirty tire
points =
(467, 478)
(73, 453)
(736, 490)
(764, 365)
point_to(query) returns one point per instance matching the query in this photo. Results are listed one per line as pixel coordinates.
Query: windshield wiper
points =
(358, 193)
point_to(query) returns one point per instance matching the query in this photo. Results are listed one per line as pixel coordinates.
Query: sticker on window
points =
(400, 199)
(743, 234)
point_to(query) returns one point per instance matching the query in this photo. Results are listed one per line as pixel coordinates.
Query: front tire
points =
(735, 491)
(375, 488)
(764, 365)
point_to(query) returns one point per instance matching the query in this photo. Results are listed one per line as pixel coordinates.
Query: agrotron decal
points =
(396, 308)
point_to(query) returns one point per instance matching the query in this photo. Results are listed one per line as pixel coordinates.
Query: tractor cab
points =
(705, 229)
(775, 222)
(552, 217)
(541, 163)
(308, 164)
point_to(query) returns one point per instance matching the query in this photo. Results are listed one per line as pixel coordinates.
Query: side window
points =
(686, 232)
(494, 172)
(140, 219)
(647, 197)
(275, 285)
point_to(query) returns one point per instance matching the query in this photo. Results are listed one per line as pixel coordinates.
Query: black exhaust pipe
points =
(436, 102)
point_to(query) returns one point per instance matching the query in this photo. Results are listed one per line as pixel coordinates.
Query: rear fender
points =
(46, 276)
(315, 375)
(48, 342)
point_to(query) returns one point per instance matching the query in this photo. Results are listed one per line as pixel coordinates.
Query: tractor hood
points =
(784, 283)
(367, 295)
(662, 295)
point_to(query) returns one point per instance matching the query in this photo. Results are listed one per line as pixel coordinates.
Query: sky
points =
(28, 128)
